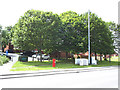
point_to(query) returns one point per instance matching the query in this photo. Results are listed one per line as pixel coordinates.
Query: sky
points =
(11, 10)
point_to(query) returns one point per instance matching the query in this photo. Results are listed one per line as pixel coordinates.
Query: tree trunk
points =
(105, 58)
(59, 55)
(38, 59)
(109, 57)
(100, 57)
(73, 60)
(66, 55)
(41, 41)
(95, 56)
(40, 56)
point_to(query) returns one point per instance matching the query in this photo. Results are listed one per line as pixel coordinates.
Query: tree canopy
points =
(37, 30)
(65, 32)
(5, 39)
(74, 32)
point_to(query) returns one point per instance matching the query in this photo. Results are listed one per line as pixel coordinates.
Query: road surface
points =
(107, 78)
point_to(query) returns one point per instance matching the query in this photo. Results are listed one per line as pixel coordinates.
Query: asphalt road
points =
(107, 78)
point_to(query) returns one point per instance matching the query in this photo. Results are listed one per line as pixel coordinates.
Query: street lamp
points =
(89, 37)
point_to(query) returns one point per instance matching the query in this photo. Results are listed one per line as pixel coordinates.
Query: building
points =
(9, 47)
(60, 54)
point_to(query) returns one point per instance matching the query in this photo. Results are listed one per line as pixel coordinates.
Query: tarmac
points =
(5, 72)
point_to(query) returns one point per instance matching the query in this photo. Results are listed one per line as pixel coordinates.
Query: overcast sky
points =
(11, 10)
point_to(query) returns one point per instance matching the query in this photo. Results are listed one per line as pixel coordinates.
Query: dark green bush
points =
(3, 59)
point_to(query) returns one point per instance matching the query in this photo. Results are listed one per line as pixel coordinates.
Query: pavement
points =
(7, 74)
(6, 67)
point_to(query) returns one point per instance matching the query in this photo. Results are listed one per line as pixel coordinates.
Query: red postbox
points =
(54, 61)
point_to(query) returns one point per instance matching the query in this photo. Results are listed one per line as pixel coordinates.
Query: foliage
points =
(0, 27)
(3, 59)
(6, 35)
(36, 30)
(114, 28)
(73, 31)
(65, 32)
(0, 36)
(8, 28)
(101, 37)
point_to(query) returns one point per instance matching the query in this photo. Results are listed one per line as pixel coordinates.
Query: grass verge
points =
(61, 64)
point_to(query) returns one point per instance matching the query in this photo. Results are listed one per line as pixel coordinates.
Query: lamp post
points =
(89, 37)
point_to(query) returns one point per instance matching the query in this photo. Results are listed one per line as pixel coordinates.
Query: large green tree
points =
(67, 32)
(100, 35)
(0, 36)
(5, 35)
(118, 39)
(107, 41)
(114, 28)
(37, 30)
(74, 33)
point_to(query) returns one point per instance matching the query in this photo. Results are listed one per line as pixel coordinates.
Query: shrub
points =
(3, 59)
(1, 62)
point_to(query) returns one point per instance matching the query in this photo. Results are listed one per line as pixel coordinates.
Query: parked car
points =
(45, 57)
(28, 53)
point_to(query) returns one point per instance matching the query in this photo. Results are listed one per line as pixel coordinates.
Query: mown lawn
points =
(114, 58)
(60, 64)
